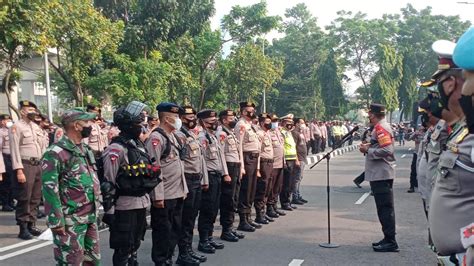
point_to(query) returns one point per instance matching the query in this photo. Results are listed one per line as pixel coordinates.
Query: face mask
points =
(86, 132)
(177, 124)
(425, 119)
(251, 115)
(213, 126)
(303, 126)
(438, 113)
(289, 127)
(267, 126)
(135, 131)
(468, 110)
(9, 124)
(443, 97)
(232, 124)
(191, 124)
(31, 116)
(274, 125)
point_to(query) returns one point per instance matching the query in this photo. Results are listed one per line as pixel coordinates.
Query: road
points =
(293, 239)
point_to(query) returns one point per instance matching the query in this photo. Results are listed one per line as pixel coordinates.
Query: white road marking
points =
(404, 155)
(409, 149)
(17, 245)
(19, 252)
(296, 262)
(362, 198)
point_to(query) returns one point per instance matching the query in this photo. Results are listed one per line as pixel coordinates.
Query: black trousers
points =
(29, 193)
(360, 178)
(263, 185)
(230, 197)
(288, 182)
(248, 184)
(166, 226)
(383, 195)
(126, 233)
(413, 174)
(276, 187)
(7, 192)
(209, 206)
(316, 147)
(190, 210)
(323, 144)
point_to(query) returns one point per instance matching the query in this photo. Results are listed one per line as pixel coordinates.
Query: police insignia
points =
(383, 136)
(155, 142)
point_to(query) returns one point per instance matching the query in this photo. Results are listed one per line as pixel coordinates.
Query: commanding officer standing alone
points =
(26, 152)
(250, 152)
(71, 193)
(379, 171)
(168, 196)
(129, 177)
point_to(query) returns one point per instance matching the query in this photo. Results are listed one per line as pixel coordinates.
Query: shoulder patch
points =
(383, 136)
(155, 142)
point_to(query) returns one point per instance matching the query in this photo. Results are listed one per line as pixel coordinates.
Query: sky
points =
(325, 11)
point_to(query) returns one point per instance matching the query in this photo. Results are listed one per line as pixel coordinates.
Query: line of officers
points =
(190, 167)
(445, 161)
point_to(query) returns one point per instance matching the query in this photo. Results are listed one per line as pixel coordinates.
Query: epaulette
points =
(462, 135)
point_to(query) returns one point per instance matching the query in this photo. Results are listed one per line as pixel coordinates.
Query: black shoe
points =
(303, 200)
(279, 212)
(388, 246)
(186, 259)
(261, 220)
(254, 224)
(40, 214)
(293, 207)
(7, 208)
(169, 262)
(271, 212)
(206, 247)
(244, 226)
(238, 234)
(379, 243)
(199, 257)
(286, 207)
(216, 245)
(411, 190)
(297, 202)
(24, 233)
(357, 184)
(229, 236)
(268, 218)
(35, 231)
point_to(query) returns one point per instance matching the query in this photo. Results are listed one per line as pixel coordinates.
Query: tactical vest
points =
(139, 176)
(290, 146)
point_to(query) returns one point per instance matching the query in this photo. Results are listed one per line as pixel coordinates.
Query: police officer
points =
(197, 179)
(291, 160)
(71, 193)
(26, 152)
(379, 171)
(128, 178)
(6, 188)
(229, 190)
(168, 196)
(277, 172)
(451, 205)
(98, 138)
(249, 169)
(266, 167)
(218, 173)
(301, 150)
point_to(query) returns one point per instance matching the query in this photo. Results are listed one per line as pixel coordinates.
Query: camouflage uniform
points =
(71, 198)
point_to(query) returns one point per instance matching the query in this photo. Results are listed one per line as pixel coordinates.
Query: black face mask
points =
(31, 116)
(438, 113)
(135, 131)
(289, 127)
(191, 124)
(213, 126)
(443, 97)
(86, 132)
(232, 124)
(468, 110)
(267, 126)
(425, 119)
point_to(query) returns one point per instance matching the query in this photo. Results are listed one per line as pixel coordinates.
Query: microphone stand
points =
(327, 156)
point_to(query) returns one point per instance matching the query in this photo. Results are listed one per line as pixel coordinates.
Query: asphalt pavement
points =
(293, 239)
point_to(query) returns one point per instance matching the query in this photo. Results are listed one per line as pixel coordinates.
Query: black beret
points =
(169, 108)
(27, 103)
(206, 113)
(246, 104)
(227, 112)
(263, 116)
(377, 108)
(187, 110)
(4, 117)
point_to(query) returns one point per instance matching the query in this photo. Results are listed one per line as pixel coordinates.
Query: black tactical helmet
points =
(131, 114)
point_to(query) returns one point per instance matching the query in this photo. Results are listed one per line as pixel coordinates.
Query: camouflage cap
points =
(76, 114)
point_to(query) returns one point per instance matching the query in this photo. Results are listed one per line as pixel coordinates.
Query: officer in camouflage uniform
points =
(71, 193)
(129, 177)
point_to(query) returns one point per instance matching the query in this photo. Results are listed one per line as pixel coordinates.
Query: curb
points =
(311, 159)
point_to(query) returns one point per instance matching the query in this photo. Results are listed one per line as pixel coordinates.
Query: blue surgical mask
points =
(274, 125)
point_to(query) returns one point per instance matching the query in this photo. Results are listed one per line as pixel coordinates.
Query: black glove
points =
(108, 219)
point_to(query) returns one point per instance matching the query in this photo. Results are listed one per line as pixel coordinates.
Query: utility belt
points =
(252, 155)
(137, 180)
(31, 160)
(263, 160)
(215, 173)
(189, 176)
(231, 164)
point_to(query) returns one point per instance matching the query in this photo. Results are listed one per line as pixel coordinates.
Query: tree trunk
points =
(203, 89)
(402, 111)
(6, 88)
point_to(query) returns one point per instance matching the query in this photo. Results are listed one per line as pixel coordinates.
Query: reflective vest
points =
(290, 145)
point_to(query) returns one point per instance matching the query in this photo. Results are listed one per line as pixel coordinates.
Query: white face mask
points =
(274, 125)
(9, 124)
(177, 124)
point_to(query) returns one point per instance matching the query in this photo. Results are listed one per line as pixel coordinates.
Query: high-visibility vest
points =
(290, 145)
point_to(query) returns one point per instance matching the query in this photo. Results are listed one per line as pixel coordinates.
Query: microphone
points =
(348, 135)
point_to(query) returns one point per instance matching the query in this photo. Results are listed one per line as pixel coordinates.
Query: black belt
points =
(231, 164)
(252, 155)
(215, 173)
(32, 161)
(6, 155)
(263, 160)
(192, 176)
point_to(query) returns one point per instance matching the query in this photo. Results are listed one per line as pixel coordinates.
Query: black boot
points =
(286, 207)
(216, 245)
(204, 245)
(227, 235)
(186, 259)
(34, 230)
(238, 234)
(133, 260)
(24, 233)
(244, 225)
(260, 218)
(279, 212)
(40, 214)
(252, 223)
(271, 212)
(387, 246)
(7, 208)
(195, 255)
(268, 218)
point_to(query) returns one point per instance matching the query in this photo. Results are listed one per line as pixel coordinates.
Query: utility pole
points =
(264, 93)
(48, 88)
